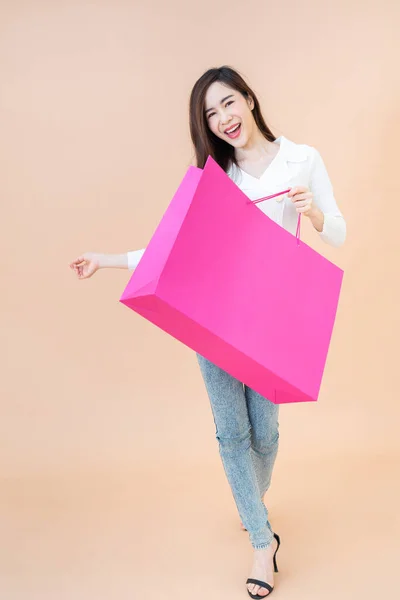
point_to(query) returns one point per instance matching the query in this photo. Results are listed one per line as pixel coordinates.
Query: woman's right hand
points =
(86, 264)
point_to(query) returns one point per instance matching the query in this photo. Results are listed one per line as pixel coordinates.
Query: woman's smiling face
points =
(228, 114)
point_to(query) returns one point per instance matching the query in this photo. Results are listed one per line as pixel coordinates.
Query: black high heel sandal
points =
(264, 583)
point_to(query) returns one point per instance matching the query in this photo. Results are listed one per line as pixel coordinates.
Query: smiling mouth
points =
(234, 131)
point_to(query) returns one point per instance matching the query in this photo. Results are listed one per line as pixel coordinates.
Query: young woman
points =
(226, 122)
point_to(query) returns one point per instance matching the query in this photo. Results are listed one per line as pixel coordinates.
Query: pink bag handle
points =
(274, 196)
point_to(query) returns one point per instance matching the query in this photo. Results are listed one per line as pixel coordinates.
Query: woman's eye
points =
(227, 104)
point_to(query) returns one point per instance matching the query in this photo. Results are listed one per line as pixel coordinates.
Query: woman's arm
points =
(113, 261)
(328, 220)
(89, 263)
(133, 257)
(127, 260)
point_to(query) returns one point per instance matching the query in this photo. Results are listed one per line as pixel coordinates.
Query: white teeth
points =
(234, 129)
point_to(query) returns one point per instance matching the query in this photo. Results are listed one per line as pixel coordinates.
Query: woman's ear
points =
(250, 102)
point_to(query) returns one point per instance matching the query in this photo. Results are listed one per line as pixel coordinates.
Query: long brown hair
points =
(204, 141)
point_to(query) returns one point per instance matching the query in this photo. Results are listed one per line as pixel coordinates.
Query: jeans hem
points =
(262, 545)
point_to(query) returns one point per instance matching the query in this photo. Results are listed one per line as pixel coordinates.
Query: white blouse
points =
(293, 165)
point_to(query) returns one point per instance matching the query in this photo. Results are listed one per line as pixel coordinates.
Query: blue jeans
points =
(247, 430)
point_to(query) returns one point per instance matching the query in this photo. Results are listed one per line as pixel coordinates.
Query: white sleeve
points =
(134, 257)
(334, 229)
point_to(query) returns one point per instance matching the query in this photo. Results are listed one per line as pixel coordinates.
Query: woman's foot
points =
(263, 569)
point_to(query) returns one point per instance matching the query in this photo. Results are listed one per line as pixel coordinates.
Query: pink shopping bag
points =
(227, 281)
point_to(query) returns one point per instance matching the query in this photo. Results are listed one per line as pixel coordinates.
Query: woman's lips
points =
(234, 133)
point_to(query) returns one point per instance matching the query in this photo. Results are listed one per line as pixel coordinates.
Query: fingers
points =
(304, 196)
(78, 265)
(79, 270)
(302, 203)
(303, 206)
(303, 209)
(85, 271)
(77, 262)
(302, 199)
(297, 190)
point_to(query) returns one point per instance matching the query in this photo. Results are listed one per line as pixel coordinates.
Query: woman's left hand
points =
(303, 200)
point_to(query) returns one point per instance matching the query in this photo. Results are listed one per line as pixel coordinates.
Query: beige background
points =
(111, 482)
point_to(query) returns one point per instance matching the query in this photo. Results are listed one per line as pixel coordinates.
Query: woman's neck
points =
(257, 149)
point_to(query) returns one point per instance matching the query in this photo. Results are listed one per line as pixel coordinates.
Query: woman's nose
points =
(225, 119)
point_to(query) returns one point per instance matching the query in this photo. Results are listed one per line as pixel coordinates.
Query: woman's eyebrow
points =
(223, 100)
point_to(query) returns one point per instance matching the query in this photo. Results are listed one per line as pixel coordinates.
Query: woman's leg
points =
(263, 416)
(233, 432)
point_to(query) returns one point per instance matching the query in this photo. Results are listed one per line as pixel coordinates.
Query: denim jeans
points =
(247, 430)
